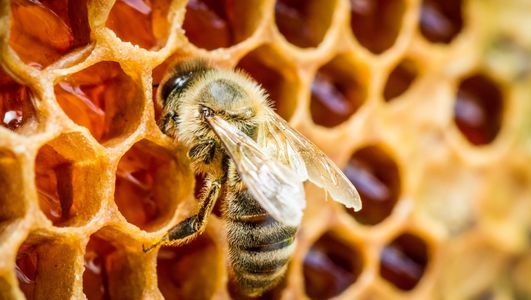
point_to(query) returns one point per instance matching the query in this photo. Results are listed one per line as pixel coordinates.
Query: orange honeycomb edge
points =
(87, 178)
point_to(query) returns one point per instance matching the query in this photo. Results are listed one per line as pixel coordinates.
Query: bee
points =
(241, 146)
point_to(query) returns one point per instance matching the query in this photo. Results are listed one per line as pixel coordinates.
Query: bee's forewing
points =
(319, 168)
(273, 185)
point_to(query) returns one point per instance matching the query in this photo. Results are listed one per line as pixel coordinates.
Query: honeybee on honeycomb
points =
(422, 103)
(242, 145)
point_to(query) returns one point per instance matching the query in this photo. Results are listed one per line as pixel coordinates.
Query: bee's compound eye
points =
(175, 83)
(205, 111)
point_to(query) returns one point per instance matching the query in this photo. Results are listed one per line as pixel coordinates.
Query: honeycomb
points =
(425, 105)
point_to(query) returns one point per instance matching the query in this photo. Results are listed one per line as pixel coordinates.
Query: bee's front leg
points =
(194, 225)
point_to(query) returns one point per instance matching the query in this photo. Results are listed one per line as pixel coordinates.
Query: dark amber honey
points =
(403, 261)
(101, 98)
(43, 31)
(338, 91)
(95, 276)
(376, 23)
(400, 79)
(140, 22)
(208, 16)
(16, 108)
(376, 177)
(478, 109)
(277, 84)
(441, 21)
(330, 267)
(26, 269)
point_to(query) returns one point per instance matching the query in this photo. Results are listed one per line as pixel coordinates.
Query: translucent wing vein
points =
(272, 184)
(316, 165)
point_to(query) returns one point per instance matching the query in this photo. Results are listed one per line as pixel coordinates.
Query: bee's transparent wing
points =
(272, 184)
(319, 169)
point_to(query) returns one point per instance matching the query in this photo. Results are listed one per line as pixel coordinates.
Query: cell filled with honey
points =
(227, 22)
(16, 107)
(478, 109)
(377, 178)
(376, 23)
(400, 79)
(279, 85)
(330, 267)
(337, 92)
(142, 23)
(304, 23)
(441, 21)
(404, 261)
(43, 31)
(101, 98)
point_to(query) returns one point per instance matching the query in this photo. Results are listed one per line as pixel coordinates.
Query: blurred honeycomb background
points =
(425, 104)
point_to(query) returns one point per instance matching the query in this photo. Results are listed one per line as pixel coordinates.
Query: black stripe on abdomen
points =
(259, 251)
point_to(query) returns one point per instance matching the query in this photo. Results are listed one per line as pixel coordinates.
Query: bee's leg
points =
(190, 227)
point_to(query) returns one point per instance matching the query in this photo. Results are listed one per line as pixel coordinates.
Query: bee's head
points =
(228, 100)
(172, 90)
(194, 87)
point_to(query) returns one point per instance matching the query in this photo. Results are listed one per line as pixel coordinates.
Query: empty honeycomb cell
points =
(441, 21)
(110, 271)
(176, 279)
(376, 176)
(12, 204)
(211, 24)
(278, 84)
(376, 23)
(140, 22)
(404, 260)
(39, 272)
(149, 185)
(43, 31)
(339, 89)
(400, 79)
(16, 107)
(103, 99)
(304, 23)
(69, 181)
(331, 266)
(478, 109)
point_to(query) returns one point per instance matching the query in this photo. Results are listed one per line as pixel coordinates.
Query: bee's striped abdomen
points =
(259, 246)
